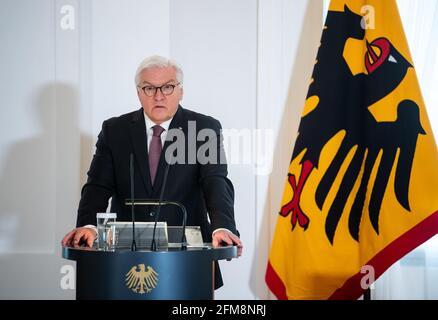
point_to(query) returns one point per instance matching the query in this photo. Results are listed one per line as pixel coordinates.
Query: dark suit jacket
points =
(203, 189)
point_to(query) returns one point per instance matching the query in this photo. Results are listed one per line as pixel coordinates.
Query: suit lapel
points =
(139, 142)
(178, 121)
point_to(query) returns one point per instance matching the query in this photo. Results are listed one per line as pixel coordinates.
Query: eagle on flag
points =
(386, 69)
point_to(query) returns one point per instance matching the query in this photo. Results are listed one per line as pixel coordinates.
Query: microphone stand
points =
(143, 202)
(131, 167)
(153, 244)
(183, 240)
(160, 203)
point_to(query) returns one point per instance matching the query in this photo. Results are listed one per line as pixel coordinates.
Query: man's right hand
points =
(79, 236)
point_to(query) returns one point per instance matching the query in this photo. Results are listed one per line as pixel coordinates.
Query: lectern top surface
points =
(218, 253)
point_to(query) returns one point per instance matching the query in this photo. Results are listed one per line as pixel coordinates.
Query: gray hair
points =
(158, 62)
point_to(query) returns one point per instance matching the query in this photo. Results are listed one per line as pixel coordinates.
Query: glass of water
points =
(106, 231)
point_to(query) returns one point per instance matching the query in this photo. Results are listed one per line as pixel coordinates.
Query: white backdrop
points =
(67, 65)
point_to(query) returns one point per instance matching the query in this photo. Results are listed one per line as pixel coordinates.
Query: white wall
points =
(29, 129)
(59, 80)
(246, 63)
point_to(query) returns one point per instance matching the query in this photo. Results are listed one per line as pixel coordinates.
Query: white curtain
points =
(416, 275)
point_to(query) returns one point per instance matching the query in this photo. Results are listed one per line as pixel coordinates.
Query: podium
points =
(170, 274)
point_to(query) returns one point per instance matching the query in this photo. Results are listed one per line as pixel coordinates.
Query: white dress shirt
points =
(149, 124)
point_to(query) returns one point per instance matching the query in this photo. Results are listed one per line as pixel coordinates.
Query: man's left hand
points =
(223, 238)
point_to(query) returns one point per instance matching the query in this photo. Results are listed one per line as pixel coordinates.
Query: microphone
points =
(131, 171)
(157, 215)
(160, 203)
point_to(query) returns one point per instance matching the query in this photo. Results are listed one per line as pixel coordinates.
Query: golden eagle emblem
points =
(140, 280)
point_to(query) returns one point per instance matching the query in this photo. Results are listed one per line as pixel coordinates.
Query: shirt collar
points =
(149, 123)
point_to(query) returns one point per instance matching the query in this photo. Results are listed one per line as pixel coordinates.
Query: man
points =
(201, 188)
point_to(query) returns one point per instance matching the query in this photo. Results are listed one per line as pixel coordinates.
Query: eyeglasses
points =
(166, 89)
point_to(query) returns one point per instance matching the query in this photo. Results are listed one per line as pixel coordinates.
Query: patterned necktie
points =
(155, 151)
